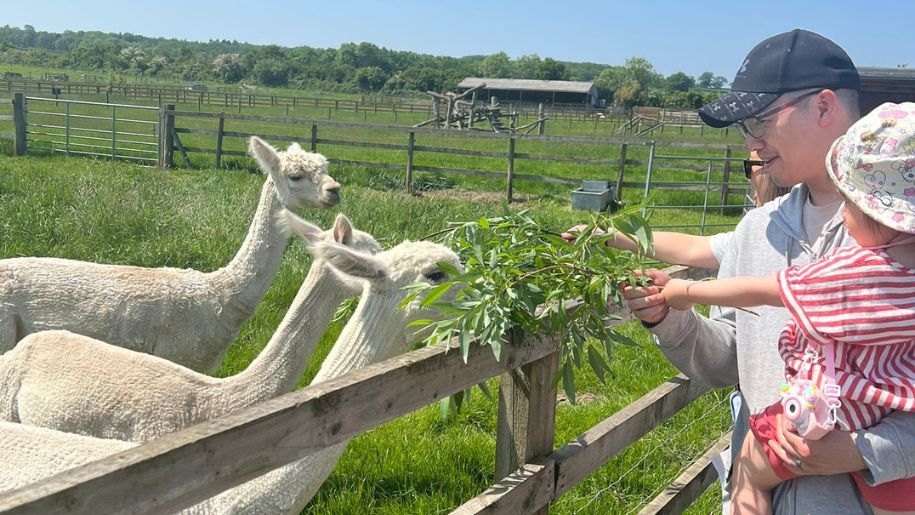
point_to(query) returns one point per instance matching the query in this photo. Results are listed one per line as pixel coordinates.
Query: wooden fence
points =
(171, 127)
(189, 466)
(237, 97)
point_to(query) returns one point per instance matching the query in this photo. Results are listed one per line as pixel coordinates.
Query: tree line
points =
(351, 68)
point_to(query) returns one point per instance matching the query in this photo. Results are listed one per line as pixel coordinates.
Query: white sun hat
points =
(873, 165)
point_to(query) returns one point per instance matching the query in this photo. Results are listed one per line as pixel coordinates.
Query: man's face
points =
(784, 146)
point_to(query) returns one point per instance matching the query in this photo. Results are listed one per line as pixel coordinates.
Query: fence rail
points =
(189, 466)
(133, 131)
(227, 99)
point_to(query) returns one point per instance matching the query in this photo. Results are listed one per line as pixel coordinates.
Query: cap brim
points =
(735, 106)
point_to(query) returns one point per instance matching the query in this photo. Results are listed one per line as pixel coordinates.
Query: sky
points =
(688, 36)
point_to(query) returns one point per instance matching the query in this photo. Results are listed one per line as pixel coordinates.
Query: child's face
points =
(865, 231)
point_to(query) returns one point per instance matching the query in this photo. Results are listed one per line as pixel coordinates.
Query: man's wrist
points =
(649, 325)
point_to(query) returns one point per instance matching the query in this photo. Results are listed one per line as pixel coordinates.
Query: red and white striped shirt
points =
(863, 303)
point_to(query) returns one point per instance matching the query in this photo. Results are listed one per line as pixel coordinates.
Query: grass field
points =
(112, 212)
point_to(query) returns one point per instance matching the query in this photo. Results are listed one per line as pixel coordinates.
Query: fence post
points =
(166, 130)
(527, 412)
(619, 176)
(648, 174)
(541, 127)
(314, 137)
(726, 178)
(411, 138)
(511, 168)
(114, 139)
(222, 123)
(19, 125)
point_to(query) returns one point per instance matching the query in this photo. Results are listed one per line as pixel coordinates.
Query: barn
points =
(879, 85)
(534, 91)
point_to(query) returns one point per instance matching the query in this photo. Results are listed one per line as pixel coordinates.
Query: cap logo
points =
(743, 67)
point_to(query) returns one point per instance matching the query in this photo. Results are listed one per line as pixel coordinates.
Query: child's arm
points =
(735, 292)
(669, 247)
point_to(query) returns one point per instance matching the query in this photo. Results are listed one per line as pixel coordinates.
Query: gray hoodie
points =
(734, 346)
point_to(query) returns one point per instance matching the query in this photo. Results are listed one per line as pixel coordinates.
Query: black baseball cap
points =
(791, 61)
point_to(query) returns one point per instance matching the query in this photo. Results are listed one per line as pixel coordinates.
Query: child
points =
(849, 348)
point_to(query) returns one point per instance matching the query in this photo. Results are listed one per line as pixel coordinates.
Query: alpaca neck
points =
(372, 334)
(243, 282)
(368, 337)
(280, 365)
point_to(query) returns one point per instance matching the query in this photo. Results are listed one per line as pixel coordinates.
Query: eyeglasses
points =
(749, 164)
(755, 127)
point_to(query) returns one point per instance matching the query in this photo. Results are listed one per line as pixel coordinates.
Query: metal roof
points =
(887, 73)
(564, 86)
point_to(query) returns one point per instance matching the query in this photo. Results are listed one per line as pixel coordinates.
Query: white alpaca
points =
(29, 454)
(74, 383)
(376, 331)
(182, 315)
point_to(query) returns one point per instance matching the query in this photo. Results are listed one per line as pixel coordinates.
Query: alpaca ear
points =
(293, 147)
(266, 156)
(305, 229)
(349, 262)
(343, 230)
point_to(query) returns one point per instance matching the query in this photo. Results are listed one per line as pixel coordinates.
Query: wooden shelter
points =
(879, 85)
(534, 91)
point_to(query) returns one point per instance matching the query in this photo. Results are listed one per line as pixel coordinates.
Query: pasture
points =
(112, 212)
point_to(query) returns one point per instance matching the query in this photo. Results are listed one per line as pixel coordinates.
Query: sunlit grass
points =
(112, 212)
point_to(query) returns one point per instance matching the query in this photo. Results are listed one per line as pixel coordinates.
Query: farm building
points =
(534, 91)
(879, 85)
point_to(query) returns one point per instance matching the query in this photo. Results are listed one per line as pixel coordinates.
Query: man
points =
(794, 94)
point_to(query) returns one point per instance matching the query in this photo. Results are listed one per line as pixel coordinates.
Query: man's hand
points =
(646, 302)
(573, 232)
(835, 453)
(676, 294)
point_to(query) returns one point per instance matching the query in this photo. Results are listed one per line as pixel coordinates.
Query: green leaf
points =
(496, 345)
(444, 409)
(597, 363)
(568, 381)
(485, 390)
(464, 341)
(621, 338)
(434, 294)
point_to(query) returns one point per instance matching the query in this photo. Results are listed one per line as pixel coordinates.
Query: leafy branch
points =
(519, 275)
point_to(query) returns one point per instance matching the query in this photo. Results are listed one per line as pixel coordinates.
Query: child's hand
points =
(676, 294)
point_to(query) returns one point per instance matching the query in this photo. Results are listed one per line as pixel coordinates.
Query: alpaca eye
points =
(295, 178)
(435, 277)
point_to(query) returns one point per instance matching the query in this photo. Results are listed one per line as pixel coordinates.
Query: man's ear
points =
(827, 107)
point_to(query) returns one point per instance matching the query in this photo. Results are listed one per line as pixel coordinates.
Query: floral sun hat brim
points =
(873, 165)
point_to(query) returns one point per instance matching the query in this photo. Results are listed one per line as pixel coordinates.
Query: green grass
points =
(112, 212)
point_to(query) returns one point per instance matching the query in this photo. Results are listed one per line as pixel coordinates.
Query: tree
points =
(134, 58)
(230, 68)
(552, 70)
(157, 64)
(638, 69)
(271, 72)
(608, 81)
(370, 78)
(629, 95)
(705, 79)
(527, 67)
(679, 82)
(496, 66)
(717, 82)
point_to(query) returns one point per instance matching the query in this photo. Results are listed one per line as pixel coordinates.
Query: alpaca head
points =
(386, 274)
(300, 177)
(342, 233)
